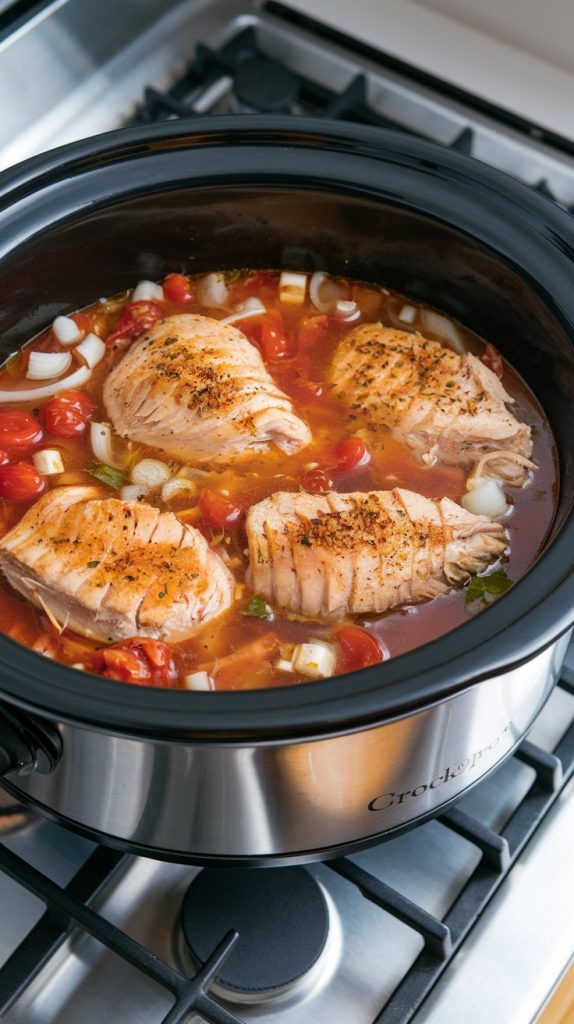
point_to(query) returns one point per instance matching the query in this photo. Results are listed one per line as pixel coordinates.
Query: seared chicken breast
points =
(199, 390)
(447, 407)
(331, 555)
(113, 569)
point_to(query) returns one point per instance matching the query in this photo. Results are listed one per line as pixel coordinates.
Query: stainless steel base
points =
(274, 800)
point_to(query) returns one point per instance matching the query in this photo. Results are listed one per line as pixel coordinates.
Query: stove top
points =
(468, 917)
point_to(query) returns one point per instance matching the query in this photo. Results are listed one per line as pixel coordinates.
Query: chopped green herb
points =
(130, 579)
(93, 565)
(162, 594)
(115, 478)
(304, 540)
(487, 588)
(258, 608)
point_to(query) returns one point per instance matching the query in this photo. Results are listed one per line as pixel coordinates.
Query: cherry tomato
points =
(216, 510)
(177, 288)
(139, 660)
(83, 321)
(79, 401)
(351, 452)
(274, 342)
(492, 358)
(357, 648)
(21, 482)
(317, 481)
(4, 458)
(19, 430)
(135, 318)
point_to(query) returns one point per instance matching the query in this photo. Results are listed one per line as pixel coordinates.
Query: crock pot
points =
(294, 773)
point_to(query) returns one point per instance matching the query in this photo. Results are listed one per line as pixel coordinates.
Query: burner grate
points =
(68, 908)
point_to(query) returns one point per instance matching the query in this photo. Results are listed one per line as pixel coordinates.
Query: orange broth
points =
(312, 338)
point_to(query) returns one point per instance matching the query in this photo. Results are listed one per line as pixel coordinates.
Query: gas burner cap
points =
(283, 922)
(260, 86)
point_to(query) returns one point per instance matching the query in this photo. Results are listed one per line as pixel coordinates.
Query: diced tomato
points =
(491, 357)
(312, 331)
(259, 281)
(83, 321)
(177, 288)
(19, 430)
(274, 342)
(67, 414)
(4, 458)
(358, 648)
(21, 482)
(135, 318)
(139, 660)
(251, 328)
(351, 453)
(217, 510)
(317, 481)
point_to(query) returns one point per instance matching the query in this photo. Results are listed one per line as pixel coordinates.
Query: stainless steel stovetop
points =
(92, 63)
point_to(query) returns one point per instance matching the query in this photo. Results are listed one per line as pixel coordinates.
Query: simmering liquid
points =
(251, 644)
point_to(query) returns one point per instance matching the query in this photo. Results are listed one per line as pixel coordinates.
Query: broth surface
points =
(298, 356)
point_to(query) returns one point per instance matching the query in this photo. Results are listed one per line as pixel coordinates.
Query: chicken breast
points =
(446, 407)
(330, 555)
(199, 390)
(113, 569)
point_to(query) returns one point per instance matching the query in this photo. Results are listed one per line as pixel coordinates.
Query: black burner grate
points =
(69, 907)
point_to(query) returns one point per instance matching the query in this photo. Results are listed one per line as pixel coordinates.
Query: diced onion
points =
(66, 330)
(48, 462)
(441, 325)
(198, 681)
(249, 308)
(487, 500)
(101, 441)
(75, 380)
(92, 350)
(131, 492)
(150, 474)
(316, 660)
(347, 311)
(330, 294)
(407, 314)
(178, 487)
(147, 291)
(45, 365)
(213, 290)
(292, 288)
(283, 665)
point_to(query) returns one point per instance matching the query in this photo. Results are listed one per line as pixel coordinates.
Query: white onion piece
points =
(75, 380)
(292, 288)
(48, 462)
(147, 291)
(283, 665)
(441, 325)
(131, 492)
(66, 330)
(178, 487)
(150, 473)
(198, 681)
(407, 314)
(92, 350)
(46, 365)
(347, 311)
(213, 290)
(330, 295)
(487, 500)
(316, 660)
(249, 308)
(102, 446)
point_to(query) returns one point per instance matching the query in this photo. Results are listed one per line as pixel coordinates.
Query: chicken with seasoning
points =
(447, 407)
(199, 390)
(330, 555)
(111, 569)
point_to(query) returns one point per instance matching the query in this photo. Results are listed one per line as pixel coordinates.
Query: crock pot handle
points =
(27, 744)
